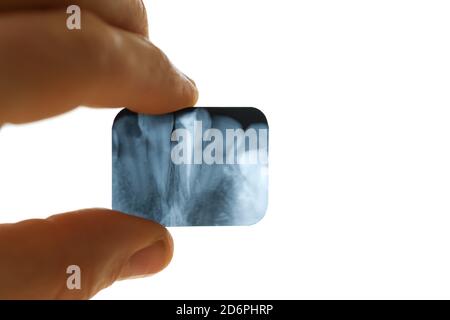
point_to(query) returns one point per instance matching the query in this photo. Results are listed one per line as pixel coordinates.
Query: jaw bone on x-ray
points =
(195, 167)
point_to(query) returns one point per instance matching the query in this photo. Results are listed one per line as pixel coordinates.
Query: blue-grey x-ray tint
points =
(195, 167)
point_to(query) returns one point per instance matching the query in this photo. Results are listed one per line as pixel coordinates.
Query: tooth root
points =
(156, 131)
(195, 122)
(247, 194)
(256, 178)
(130, 176)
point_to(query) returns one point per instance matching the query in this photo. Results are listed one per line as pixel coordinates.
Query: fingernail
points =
(192, 81)
(149, 260)
(193, 88)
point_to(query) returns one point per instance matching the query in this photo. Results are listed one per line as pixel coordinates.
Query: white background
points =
(358, 100)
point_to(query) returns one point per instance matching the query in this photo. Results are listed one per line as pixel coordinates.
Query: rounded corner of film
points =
(194, 167)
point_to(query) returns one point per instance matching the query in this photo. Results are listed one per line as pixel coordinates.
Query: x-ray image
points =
(195, 167)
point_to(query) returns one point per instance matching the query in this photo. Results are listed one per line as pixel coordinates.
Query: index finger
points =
(53, 70)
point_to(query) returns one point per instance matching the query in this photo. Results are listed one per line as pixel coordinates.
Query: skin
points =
(48, 70)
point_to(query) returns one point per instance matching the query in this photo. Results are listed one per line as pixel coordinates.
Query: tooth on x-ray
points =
(194, 167)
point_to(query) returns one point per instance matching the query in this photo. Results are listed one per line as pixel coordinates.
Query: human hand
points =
(47, 70)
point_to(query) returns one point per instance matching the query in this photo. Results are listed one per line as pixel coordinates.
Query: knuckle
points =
(95, 44)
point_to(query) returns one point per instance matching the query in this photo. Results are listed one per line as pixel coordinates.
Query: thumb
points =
(105, 245)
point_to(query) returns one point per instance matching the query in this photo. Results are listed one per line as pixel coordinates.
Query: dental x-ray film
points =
(195, 167)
